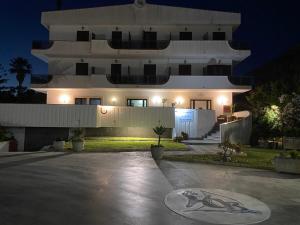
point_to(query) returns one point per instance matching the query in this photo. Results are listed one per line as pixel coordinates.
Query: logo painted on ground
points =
(217, 206)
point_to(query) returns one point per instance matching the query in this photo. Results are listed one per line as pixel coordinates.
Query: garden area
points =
(258, 158)
(126, 144)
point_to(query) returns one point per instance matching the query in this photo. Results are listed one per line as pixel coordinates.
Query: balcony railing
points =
(242, 80)
(150, 45)
(41, 79)
(42, 44)
(239, 45)
(138, 79)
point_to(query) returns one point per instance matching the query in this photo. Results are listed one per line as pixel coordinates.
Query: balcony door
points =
(185, 69)
(219, 36)
(83, 35)
(116, 72)
(150, 73)
(186, 36)
(150, 39)
(116, 39)
(82, 69)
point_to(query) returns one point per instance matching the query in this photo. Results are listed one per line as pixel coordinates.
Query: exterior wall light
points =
(179, 101)
(156, 100)
(64, 99)
(114, 100)
(222, 100)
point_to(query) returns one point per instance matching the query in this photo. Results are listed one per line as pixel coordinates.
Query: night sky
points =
(270, 27)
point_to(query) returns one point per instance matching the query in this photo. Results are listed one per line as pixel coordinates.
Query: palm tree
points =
(21, 67)
(2, 75)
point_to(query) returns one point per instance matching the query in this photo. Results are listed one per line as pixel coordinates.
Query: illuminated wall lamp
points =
(222, 100)
(64, 99)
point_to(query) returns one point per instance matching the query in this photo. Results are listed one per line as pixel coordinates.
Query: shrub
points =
(78, 134)
(178, 139)
(184, 135)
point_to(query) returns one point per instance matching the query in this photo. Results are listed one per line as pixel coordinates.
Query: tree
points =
(160, 130)
(21, 67)
(2, 75)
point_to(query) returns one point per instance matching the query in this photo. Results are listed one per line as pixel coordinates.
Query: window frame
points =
(145, 102)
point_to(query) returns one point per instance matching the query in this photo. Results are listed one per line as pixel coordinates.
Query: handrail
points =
(42, 44)
(40, 79)
(138, 79)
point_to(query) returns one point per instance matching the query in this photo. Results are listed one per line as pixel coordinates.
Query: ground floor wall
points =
(125, 132)
(154, 97)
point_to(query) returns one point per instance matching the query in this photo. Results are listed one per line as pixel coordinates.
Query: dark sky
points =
(269, 26)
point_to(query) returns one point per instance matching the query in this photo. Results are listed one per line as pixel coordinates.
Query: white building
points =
(141, 55)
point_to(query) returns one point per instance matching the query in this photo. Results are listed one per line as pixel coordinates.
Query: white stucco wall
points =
(121, 95)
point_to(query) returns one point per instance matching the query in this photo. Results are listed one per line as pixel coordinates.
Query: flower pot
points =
(287, 165)
(78, 146)
(157, 152)
(292, 143)
(58, 145)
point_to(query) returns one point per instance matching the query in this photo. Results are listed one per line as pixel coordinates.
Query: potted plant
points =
(78, 140)
(157, 150)
(59, 144)
(288, 162)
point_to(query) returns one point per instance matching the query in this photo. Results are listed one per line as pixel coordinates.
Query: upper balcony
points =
(158, 82)
(191, 49)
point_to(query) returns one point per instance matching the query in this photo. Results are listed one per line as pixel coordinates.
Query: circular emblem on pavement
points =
(217, 206)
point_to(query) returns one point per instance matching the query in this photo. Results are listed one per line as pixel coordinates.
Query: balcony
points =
(41, 79)
(42, 45)
(239, 45)
(242, 80)
(138, 79)
(145, 45)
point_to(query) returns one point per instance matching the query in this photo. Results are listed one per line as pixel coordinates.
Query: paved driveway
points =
(124, 189)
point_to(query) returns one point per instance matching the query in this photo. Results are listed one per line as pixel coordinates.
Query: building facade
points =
(140, 55)
(121, 70)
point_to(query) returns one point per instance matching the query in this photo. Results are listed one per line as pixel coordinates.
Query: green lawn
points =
(256, 158)
(122, 144)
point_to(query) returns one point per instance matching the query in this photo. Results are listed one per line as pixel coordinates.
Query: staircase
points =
(212, 137)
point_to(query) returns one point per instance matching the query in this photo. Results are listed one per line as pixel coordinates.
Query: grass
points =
(125, 144)
(256, 158)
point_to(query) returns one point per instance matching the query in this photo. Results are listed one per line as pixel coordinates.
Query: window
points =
(95, 101)
(137, 102)
(82, 69)
(83, 36)
(200, 104)
(186, 36)
(80, 101)
(185, 69)
(219, 36)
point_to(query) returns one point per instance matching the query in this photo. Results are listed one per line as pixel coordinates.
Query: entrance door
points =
(83, 35)
(200, 104)
(150, 73)
(116, 72)
(150, 39)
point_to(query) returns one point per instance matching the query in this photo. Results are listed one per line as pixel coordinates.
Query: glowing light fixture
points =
(64, 99)
(114, 100)
(179, 100)
(157, 100)
(222, 100)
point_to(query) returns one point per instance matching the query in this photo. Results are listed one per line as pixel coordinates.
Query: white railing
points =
(238, 131)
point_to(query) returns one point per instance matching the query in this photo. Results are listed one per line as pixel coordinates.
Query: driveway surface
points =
(125, 189)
